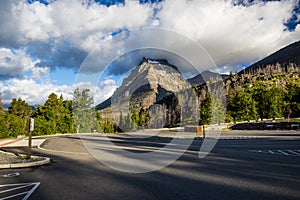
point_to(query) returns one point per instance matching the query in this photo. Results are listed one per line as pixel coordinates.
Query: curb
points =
(45, 161)
(23, 165)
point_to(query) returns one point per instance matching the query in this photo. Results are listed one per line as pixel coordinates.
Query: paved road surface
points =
(235, 169)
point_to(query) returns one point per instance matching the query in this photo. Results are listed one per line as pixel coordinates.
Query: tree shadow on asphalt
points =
(223, 174)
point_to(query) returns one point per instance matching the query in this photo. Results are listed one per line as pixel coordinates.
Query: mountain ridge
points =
(277, 62)
(284, 56)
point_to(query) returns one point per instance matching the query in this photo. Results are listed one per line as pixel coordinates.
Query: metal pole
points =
(29, 145)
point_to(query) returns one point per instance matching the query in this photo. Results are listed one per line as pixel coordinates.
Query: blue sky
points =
(43, 44)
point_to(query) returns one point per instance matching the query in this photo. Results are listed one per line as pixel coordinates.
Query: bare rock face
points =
(157, 88)
(150, 75)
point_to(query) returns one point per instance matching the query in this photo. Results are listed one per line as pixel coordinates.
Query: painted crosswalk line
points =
(20, 190)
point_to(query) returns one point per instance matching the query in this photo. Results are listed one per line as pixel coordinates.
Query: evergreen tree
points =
(83, 112)
(276, 103)
(134, 119)
(261, 97)
(270, 101)
(218, 111)
(1, 104)
(241, 105)
(205, 111)
(54, 117)
(128, 122)
(3, 120)
(143, 117)
(18, 117)
(20, 108)
(292, 100)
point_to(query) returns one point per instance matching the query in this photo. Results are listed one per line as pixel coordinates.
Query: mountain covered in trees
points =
(284, 60)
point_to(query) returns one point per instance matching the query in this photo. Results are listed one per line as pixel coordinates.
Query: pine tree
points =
(1, 105)
(84, 113)
(134, 119)
(205, 110)
(18, 116)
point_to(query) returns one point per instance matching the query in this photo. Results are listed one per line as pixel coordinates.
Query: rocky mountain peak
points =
(148, 83)
(154, 73)
(153, 88)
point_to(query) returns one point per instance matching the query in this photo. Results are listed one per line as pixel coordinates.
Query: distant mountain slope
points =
(284, 56)
(205, 76)
(104, 104)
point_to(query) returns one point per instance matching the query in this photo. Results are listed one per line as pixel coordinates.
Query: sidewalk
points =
(20, 142)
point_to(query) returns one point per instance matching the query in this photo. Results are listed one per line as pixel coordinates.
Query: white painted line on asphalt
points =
(58, 151)
(10, 175)
(284, 153)
(17, 187)
(294, 152)
(238, 137)
(32, 190)
(279, 152)
(270, 151)
(14, 195)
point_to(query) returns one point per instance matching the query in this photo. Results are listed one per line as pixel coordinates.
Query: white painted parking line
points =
(294, 152)
(270, 151)
(284, 153)
(18, 189)
(237, 137)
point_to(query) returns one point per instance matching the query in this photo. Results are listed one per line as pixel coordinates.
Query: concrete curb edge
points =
(45, 161)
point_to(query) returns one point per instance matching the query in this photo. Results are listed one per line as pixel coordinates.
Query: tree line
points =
(254, 102)
(59, 115)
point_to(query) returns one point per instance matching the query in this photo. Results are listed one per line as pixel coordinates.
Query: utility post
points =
(31, 128)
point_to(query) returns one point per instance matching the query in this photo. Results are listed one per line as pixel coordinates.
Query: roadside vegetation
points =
(55, 116)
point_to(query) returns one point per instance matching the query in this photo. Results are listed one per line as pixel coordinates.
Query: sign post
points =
(31, 128)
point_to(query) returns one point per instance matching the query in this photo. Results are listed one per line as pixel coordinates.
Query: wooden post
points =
(31, 128)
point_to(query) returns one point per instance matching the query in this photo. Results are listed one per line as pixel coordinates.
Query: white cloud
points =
(30, 91)
(105, 90)
(231, 34)
(62, 33)
(76, 21)
(35, 37)
(14, 63)
(37, 93)
(40, 73)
